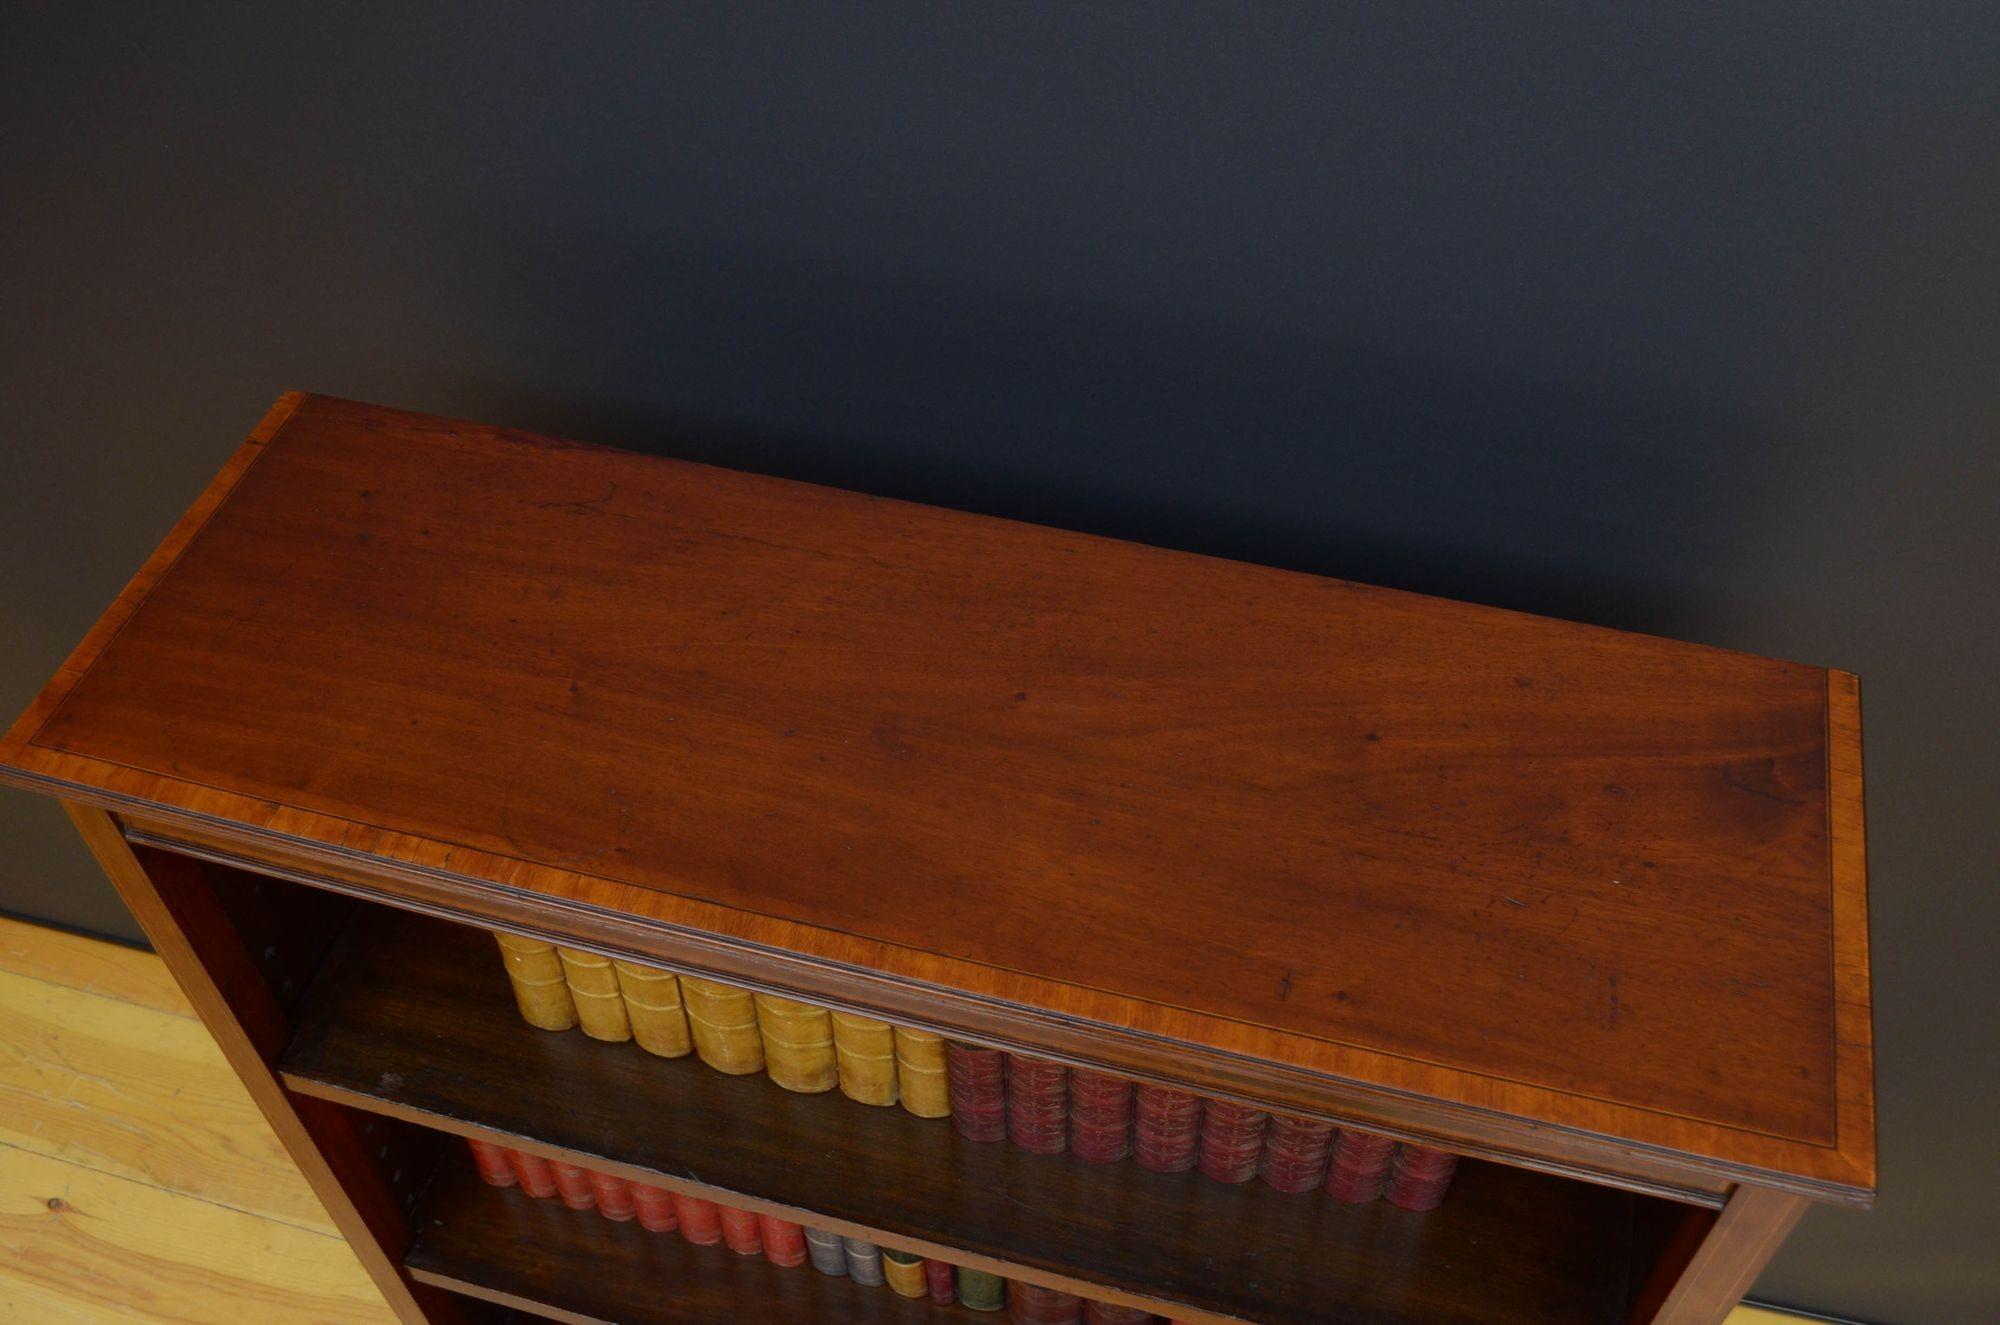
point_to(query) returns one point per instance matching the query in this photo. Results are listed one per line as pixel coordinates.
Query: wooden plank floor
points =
(137, 1180)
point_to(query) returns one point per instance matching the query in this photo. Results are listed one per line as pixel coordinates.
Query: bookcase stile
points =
(202, 949)
(396, 684)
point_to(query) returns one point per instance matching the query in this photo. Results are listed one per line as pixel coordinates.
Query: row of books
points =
(785, 1243)
(800, 1046)
(991, 1096)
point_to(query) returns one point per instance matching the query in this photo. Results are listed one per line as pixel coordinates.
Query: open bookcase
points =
(1584, 909)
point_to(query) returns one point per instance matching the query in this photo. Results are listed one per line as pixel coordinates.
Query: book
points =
(655, 1208)
(867, 1052)
(1100, 1116)
(1166, 1128)
(700, 1220)
(1360, 1165)
(798, 1044)
(904, 1271)
(1032, 1304)
(1295, 1153)
(1418, 1177)
(1037, 1104)
(540, 990)
(827, 1253)
(593, 986)
(1232, 1140)
(981, 1290)
(495, 1168)
(614, 1196)
(573, 1185)
(723, 1021)
(922, 1079)
(784, 1241)
(534, 1173)
(740, 1230)
(940, 1282)
(864, 1261)
(653, 1006)
(978, 1091)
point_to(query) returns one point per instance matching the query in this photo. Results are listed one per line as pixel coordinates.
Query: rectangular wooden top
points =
(1550, 885)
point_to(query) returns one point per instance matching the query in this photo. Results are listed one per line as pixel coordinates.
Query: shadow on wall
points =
(1337, 458)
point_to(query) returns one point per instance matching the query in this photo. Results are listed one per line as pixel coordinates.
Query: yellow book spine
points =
(653, 1006)
(537, 976)
(798, 1044)
(600, 1007)
(867, 1052)
(723, 1021)
(920, 1071)
(904, 1272)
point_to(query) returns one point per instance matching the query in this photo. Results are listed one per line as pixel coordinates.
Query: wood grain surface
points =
(138, 1183)
(1532, 870)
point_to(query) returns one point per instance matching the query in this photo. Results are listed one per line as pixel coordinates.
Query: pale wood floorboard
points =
(138, 1093)
(138, 1183)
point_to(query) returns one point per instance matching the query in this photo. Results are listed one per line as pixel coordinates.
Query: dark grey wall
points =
(1669, 320)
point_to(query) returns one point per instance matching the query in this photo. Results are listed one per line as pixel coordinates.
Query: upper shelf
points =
(1293, 834)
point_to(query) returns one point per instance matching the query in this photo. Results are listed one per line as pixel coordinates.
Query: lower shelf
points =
(501, 1245)
(412, 1017)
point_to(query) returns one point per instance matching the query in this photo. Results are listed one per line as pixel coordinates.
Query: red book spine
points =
(1031, 1304)
(1232, 1140)
(740, 1231)
(655, 1208)
(784, 1241)
(1360, 1162)
(1295, 1153)
(614, 1196)
(1167, 1128)
(1419, 1176)
(700, 1220)
(978, 1091)
(1037, 1104)
(537, 1178)
(573, 1185)
(940, 1282)
(1100, 1116)
(495, 1169)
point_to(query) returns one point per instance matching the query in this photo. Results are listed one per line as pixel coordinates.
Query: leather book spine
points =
(798, 1044)
(867, 1051)
(923, 1082)
(740, 1232)
(653, 1006)
(981, 1290)
(593, 986)
(723, 1021)
(784, 1241)
(540, 990)
(904, 1272)
(615, 1200)
(495, 1168)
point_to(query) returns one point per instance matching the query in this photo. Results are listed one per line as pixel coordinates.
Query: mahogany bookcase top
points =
(1529, 879)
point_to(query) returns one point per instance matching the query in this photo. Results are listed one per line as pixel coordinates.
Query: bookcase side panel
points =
(189, 928)
(1748, 1232)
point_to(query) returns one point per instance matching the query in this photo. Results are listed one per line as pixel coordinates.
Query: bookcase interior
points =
(402, 1025)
